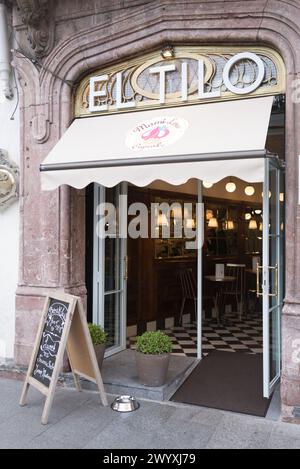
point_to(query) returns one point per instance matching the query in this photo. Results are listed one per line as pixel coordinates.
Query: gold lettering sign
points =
(194, 74)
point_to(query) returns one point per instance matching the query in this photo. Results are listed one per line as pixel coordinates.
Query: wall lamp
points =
(167, 52)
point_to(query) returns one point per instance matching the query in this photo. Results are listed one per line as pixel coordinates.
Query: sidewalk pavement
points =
(77, 420)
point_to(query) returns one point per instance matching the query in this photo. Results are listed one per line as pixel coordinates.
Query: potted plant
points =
(99, 339)
(152, 357)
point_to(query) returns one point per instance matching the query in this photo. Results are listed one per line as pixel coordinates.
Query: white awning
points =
(203, 141)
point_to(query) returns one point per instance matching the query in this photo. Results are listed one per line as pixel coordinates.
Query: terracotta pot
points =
(99, 352)
(152, 369)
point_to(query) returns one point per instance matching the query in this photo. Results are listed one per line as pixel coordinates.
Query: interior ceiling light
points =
(209, 214)
(213, 223)
(252, 224)
(207, 185)
(247, 216)
(168, 52)
(229, 225)
(270, 194)
(258, 211)
(162, 220)
(281, 197)
(249, 190)
(190, 223)
(230, 186)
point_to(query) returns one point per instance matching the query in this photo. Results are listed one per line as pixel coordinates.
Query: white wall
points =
(9, 235)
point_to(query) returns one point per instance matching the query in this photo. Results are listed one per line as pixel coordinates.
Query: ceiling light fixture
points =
(213, 223)
(207, 185)
(230, 186)
(270, 194)
(252, 224)
(162, 220)
(190, 223)
(249, 190)
(209, 214)
(229, 225)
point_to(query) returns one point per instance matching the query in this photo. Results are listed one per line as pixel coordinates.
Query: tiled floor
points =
(232, 336)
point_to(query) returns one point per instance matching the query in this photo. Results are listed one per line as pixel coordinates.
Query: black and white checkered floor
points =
(233, 336)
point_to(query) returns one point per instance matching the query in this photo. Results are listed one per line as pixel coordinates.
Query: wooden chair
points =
(235, 290)
(189, 290)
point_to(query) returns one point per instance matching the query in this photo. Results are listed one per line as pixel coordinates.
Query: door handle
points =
(126, 268)
(258, 292)
(258, 269)
(276, 279)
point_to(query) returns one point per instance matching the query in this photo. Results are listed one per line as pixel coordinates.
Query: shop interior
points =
(165, 272)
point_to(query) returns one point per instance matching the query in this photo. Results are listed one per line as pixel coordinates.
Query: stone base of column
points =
(290, 382)
(29, 307)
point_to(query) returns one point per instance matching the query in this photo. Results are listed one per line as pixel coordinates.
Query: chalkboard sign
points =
(51, 338)
(63, 327)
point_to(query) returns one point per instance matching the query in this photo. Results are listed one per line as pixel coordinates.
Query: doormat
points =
(226, 381)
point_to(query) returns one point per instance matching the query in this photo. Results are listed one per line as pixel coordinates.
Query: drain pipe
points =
(5, 67)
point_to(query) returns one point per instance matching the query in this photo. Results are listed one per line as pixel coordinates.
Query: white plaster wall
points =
(9, 235)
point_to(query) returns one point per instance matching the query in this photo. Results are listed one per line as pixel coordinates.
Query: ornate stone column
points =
(52, 236)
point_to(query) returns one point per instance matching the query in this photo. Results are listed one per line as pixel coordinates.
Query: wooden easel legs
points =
(23, 399)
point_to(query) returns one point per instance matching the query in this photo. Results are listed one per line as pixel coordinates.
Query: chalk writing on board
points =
(50, 341)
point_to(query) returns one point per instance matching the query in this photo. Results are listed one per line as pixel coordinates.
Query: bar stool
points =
(236, 289)
(189, 290)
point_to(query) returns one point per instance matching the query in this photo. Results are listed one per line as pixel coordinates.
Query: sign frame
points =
(110, 82)
(75, 323)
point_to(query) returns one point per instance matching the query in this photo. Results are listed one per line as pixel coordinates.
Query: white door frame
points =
(99, 267)
(268, 312)
(200, 239)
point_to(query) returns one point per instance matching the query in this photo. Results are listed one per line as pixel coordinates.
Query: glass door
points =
(110, 264)
(272, 272)
(200, 242)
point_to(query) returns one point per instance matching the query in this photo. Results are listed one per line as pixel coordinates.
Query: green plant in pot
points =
(99, 339)
(153, 357)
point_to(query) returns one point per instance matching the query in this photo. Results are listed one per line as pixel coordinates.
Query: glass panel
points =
(273, 235)
(112, 267)
(273, 200)
(274, 331)
(272, 266)
(273, 271)
(111, 285)
(112, 319)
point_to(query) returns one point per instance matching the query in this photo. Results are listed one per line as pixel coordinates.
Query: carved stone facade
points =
(9, 180)
(78, 37)
(38, 19)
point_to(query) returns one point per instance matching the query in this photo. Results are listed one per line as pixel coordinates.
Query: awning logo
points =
(156, 133)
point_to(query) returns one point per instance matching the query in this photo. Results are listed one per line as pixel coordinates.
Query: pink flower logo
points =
(156, 133)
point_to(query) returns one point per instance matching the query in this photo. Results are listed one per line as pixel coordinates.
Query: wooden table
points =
(217, 282)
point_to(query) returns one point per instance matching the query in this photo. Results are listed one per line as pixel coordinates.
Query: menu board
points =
(63, 328)
(50, 341)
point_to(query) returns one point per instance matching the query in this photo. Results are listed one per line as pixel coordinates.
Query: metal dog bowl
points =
(125, 404)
